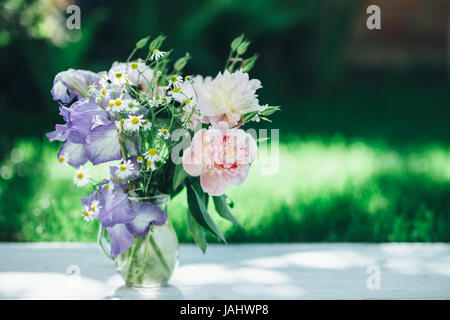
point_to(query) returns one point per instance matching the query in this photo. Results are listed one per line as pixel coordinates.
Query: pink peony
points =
(221, 157)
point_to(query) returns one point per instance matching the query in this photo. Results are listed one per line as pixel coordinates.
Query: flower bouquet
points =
(162, 132)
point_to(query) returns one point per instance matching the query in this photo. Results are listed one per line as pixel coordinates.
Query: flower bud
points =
(181, 63)
(156, 43)
(243, 47)
(141, 43)
(249, 63)
(236, 42)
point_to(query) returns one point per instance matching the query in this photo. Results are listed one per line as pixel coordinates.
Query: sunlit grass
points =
(322, 191)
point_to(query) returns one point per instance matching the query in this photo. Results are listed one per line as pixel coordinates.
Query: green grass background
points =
(364, 152)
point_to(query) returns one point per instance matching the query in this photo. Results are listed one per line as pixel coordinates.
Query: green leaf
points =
(179, 176)
(220, 203)
(249, 116)
(270, 110)
(197, 232)
(197, 207)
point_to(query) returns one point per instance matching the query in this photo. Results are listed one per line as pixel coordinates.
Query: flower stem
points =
(158, 253)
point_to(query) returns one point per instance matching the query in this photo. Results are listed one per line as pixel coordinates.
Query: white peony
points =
(227, 97)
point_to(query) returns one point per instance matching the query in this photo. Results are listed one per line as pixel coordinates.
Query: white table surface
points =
(250, 271)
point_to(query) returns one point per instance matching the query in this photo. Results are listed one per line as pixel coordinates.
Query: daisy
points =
(133, 123)
(131, 105)
(150, 165)
(174, 91)
(118, 105)
(119, 79)
(62, 160)
(94, 208)
(109, 186)
(115, 105)
(163, 132)
(104, 81)
(156, 54)
(125, 170)
(175, 81)
(86, 213)
(152, 154)
(81, 177)
(146, 124)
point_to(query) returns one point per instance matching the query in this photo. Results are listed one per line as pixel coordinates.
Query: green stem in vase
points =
(159, 254)
(130, 261)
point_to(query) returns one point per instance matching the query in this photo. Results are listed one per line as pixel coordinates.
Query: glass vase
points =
(150, 261)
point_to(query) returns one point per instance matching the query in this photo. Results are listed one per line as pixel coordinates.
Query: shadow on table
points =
(160, 293)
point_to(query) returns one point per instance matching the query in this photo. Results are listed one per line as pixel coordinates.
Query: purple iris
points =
(123, 218)
(72, 84)
(89, 133)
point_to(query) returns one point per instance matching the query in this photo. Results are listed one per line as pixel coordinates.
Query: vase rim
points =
(161, 196)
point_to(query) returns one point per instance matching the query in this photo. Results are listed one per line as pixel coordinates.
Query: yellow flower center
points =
(174, 78)
(152, 151)
(111, 103)
(119, 75)
(107, 187)
(123, 167)
(103, 91)
(134, 66)
(187, 101)
(61, 159)
(80, 175)
(92, 208)
(148, 163)
(155, 51)
(118, 102)
(140, 158)
(163, 130)
(85, 213)
(177, 89)
(135, 120)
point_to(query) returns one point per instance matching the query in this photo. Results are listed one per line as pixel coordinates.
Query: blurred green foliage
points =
(364, 157)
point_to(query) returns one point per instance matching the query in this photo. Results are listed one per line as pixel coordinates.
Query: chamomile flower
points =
(131, 105)
(94, 208)
(152, 154)
(115, 105)
(119, 78)
(62, 159)
(139, 159)
(146, 124)
(86, 213)
(125, 170)
(118, 105)
(104, 81)
(133, 123)
(81, 177)
(150, 165)
(164, 132)
(175, 81)
(174, 91)
(156, 55)
(109, 186)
